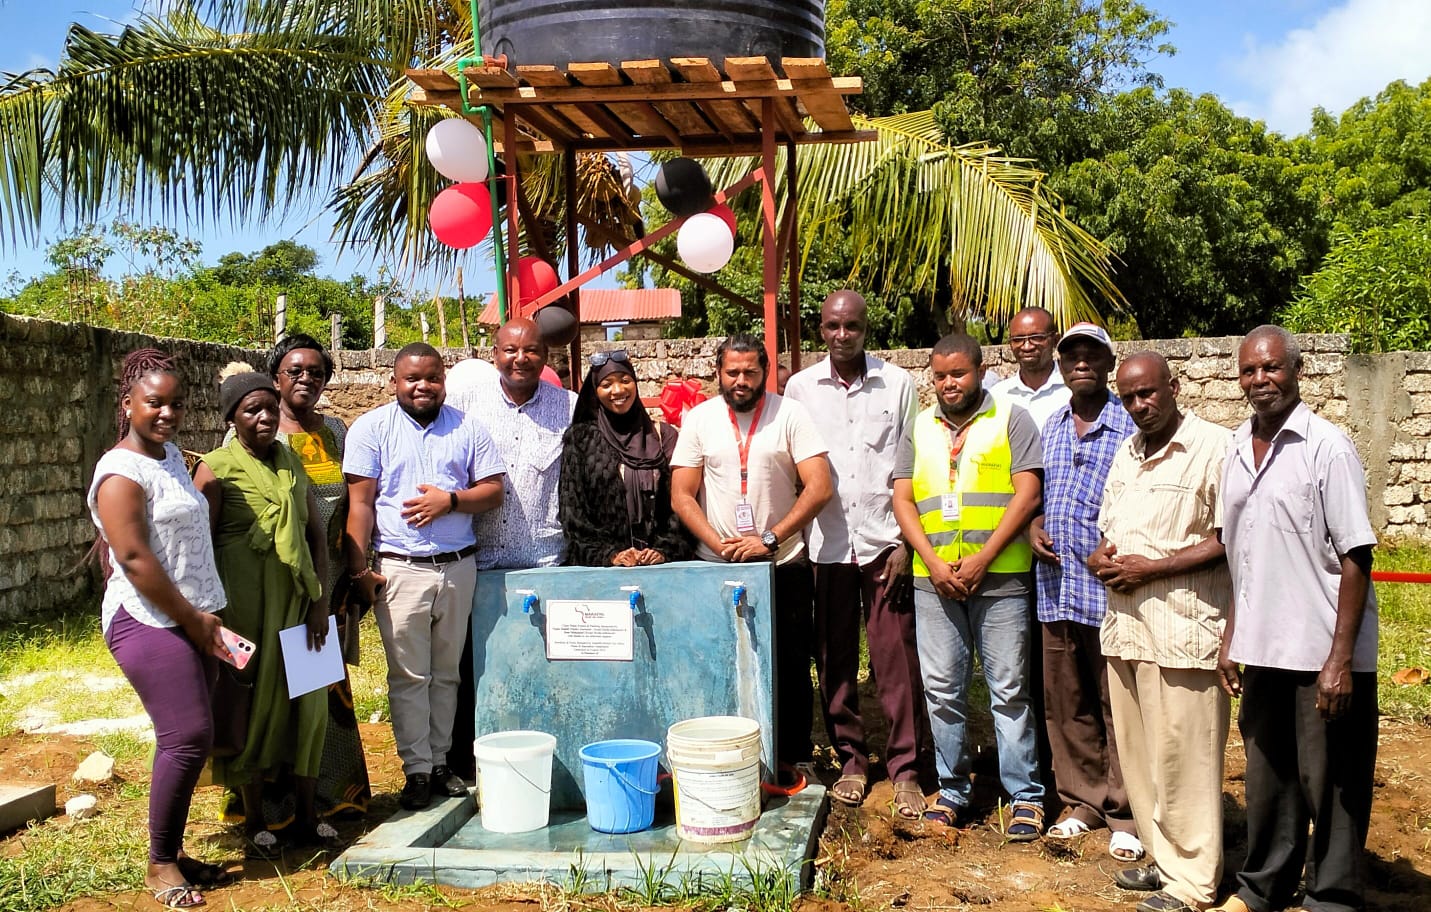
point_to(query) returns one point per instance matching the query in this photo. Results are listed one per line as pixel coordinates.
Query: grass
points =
(1405, 610)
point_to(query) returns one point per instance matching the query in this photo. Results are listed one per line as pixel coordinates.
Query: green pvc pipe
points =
(486, 112)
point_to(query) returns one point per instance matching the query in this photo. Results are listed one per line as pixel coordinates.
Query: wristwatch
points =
(769, 540)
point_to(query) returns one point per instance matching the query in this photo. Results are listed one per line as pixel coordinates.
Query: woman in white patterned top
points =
(159, 607)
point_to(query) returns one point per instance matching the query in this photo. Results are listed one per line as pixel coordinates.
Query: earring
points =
(129, 413)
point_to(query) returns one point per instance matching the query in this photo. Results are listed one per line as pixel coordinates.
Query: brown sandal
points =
(854, 791)
(909, 801)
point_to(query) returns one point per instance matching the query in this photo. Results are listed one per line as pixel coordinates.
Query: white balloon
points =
(458, 150)
(705, 242)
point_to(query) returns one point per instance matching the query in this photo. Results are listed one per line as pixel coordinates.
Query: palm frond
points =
(911, 203)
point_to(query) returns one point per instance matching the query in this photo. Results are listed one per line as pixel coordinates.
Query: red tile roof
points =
(614, 305)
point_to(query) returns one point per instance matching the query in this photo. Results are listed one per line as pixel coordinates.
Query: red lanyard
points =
(956, 446)
(743, 446)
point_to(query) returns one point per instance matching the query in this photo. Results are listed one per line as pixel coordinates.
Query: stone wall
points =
(57, 382)
(57, 385)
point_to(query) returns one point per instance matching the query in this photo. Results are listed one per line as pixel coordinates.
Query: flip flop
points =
(179, 896)
(1125, 847)
(853, 787)
(203, 874)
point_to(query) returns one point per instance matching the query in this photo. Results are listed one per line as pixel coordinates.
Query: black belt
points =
(446, 557)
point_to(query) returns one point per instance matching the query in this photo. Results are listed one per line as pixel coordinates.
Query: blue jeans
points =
(948, 631)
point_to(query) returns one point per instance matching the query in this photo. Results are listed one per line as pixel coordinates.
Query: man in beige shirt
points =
(1168, 591)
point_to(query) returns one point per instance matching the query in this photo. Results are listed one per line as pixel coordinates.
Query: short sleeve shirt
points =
(1041, 403)
(525, 531)
(863, 422)
(1286, 526)
(1074, 471)
(178, 519)
(389, 445)
(784, 438)
(1155, 505)
(1027, 452)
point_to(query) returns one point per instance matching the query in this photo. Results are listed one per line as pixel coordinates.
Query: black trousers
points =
(794, 639)
(1302, 769)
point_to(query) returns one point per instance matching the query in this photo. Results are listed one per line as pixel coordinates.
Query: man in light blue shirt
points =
(417, 473)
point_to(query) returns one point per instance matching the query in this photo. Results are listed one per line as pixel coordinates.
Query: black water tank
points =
(560, 32)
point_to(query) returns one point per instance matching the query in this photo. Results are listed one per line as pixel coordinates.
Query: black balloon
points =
(683, 187)
(557, 324)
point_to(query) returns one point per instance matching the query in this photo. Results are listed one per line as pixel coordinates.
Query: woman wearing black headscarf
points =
(616, 475)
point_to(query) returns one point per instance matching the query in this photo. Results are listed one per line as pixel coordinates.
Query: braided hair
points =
(138, 364)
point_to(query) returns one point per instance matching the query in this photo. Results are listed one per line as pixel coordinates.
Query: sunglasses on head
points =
(616, 354)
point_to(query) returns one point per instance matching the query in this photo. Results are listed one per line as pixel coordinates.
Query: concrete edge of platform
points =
(409, 849)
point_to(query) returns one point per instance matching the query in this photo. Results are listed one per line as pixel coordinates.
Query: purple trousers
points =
(173, 682)
(845, 596)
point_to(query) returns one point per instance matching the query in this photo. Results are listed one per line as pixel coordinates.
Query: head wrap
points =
(236, 387)
(633, 436)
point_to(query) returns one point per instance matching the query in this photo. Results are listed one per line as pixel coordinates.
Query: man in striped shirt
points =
(1168, 592)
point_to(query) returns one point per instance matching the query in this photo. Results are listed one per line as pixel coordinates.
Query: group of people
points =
(1119, 566)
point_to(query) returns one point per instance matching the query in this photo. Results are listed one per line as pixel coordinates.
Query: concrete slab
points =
(19, 804)
(446, 844)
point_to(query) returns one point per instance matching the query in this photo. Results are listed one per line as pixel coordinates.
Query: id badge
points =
(949, 507)
(744, 518)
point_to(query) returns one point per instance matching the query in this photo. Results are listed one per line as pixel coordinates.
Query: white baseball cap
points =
(1088, 331)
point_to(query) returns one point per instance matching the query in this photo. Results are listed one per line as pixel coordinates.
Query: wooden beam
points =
(432, 80)
(732, 116)
(656, 90)
(642, 119)
(813, 78)
(770, 283)
(573, 263)
(792, 249)
(712, 147)
(653, 82)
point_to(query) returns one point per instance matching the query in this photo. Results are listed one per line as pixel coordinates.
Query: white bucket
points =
(514, 780)
(715, 762)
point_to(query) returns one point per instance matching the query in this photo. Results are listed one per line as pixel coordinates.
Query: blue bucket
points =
(620, 779)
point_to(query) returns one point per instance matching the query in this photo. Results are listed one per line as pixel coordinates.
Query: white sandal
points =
(1068, 828)
(1125, 847)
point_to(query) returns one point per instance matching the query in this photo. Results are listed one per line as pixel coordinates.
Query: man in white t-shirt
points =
(734, 479)
(1038, 384)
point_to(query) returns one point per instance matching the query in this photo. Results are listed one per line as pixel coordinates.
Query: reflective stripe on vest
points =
(985, 486)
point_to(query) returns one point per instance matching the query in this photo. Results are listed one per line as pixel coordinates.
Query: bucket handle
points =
(611, 768)
(523, 776)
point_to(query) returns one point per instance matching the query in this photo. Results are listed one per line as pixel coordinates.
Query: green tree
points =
(1206, 210)
(1374, 284)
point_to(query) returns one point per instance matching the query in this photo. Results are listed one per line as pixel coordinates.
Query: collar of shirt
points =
(1137, 443)
(1104, 421)
(872, 370)
(532, 402)
(1298, 423)
(1017, 385)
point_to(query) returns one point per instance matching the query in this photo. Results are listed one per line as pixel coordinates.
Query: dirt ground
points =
(867, 859)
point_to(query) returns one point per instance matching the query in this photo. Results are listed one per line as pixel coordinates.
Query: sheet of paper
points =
(308, 671)
(589, 631)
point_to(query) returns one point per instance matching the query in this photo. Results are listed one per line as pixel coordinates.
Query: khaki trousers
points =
(1172, 729)
(423, 615)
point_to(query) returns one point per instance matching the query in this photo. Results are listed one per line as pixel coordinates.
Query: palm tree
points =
(244, 108)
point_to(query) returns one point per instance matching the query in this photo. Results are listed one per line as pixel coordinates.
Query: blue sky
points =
(1270, 59)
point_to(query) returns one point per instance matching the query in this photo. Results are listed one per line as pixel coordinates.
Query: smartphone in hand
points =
(240, 650)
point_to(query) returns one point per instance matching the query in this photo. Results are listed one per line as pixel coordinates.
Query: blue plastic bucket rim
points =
(619, 750)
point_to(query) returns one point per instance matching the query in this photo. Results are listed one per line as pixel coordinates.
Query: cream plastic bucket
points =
(514, 780)
(715, 762)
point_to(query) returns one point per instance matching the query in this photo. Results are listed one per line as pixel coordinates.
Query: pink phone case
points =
(240, 649)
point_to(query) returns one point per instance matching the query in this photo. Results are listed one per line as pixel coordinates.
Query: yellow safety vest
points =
(984, 483)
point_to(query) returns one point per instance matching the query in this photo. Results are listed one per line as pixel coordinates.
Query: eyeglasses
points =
(1031, 338)
(597, 359)
(313, 373)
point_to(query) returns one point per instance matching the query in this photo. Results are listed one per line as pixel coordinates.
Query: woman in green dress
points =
(301, 369)
(268, 541)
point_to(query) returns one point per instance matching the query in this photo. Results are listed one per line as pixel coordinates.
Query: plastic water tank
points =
(560, 32)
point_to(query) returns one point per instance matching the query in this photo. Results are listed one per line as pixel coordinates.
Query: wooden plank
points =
(653, 79)
(731, 116)
(490, 77)
(570, 119)
(715, 146)
(640, 119)
(749, 69)
(433, 80)
(543, 75)
(653, 91)
(427, 98)
(813, 79)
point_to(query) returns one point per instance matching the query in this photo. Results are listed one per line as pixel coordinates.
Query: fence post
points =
(335, 331)
(380, 321)
(280, 317)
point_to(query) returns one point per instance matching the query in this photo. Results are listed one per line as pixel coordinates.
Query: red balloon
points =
(461, 215)
(535, 277)
(551, 376)
(725, 213)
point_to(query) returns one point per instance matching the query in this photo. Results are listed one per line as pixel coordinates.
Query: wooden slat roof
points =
(687, 104)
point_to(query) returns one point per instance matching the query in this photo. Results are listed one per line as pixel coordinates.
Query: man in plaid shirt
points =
(1080, 440)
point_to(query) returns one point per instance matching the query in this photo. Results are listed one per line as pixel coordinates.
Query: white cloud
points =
(1352, 51)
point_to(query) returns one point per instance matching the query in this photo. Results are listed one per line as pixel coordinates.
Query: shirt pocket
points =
(1289, 507)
